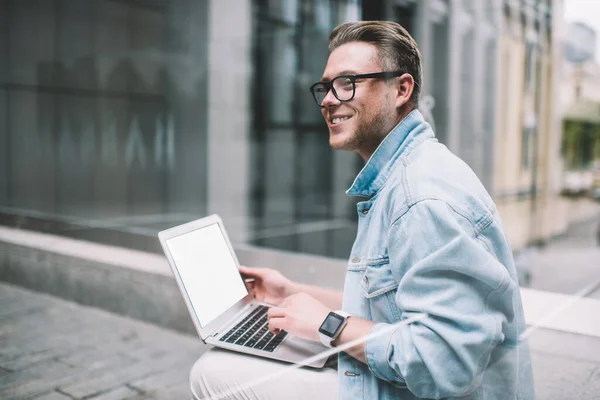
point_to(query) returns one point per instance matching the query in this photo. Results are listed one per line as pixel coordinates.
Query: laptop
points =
(224, 312)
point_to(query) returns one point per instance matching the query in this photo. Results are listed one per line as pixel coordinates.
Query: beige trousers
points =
(222, 374)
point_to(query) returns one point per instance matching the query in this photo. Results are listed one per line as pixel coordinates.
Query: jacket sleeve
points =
(446, 271)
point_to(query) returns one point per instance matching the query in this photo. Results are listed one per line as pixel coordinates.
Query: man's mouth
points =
(337, 120)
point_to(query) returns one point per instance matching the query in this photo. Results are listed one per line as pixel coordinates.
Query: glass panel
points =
(104, 111)
(4, 33)
(439, 86)
(292, 164)
(108, 118)
(4, 151)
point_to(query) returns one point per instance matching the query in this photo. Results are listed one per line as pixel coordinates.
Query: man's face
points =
(361, 123)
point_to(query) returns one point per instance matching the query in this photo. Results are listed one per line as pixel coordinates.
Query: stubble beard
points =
(368, 133)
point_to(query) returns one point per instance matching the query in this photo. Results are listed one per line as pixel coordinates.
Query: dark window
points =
(294, 179)
(96, 112)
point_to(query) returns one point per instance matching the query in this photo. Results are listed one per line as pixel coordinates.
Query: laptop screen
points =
(208, 271)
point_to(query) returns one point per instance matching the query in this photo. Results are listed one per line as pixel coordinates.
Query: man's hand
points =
(269, 286)
(299, 314)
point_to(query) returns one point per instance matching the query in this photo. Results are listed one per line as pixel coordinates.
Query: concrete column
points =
(422, 35)
(555, 170)
(460, 23)
(478, 92)
(4, 139)
(429, 12)
(541, 104)
(493, 82)
(556, 213)
(4, 155)
(229, 119)
(483, 94)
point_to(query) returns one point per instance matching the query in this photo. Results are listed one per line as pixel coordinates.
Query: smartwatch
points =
(332, 326)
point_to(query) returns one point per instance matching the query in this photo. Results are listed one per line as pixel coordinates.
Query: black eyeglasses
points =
(344, 86)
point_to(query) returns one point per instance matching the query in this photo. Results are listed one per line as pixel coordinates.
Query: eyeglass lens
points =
(343, 89)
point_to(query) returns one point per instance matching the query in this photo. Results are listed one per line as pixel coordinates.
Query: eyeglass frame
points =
(329, 84)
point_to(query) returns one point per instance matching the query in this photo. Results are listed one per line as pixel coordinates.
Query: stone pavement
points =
(569, 263)
(566, 366)
(56, 350)
(52, 349)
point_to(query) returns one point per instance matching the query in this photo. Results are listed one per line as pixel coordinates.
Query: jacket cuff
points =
(377, 349)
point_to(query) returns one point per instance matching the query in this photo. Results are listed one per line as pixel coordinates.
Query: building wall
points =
(458, 43)
(229, 114)
(138, 116)
(495, 102)
(97, 95)
(527, 143)
(507, 171)
(582, 81)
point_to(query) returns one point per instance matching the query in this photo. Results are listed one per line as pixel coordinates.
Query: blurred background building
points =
(123, 117)
(581, 123)
(527, 133)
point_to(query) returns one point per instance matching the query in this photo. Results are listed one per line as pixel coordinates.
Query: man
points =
(429, 241)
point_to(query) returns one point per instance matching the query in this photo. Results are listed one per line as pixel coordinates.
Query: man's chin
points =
(339, 142)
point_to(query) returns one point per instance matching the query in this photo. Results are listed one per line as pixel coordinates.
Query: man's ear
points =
(405, 85)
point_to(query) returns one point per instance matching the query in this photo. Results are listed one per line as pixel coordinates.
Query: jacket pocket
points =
(378, 286)
(377, 278)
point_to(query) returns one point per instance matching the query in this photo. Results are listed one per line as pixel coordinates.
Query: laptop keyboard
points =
(253, 332)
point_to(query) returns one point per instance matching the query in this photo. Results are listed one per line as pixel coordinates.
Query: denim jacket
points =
(430, 240)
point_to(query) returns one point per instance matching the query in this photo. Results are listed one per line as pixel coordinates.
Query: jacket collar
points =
(411, 130)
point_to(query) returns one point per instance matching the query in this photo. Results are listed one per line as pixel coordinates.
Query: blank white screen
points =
(208, 271)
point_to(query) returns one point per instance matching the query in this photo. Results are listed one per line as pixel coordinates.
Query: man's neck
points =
(368, 153)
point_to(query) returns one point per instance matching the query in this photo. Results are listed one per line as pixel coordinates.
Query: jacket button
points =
(365, 212)
(355, 260)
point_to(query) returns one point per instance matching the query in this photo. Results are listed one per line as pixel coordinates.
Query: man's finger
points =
(250, 272)
(277, 312)
(276, 325)
(250, 284)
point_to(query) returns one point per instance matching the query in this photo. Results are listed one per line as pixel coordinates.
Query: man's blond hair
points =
(396, 49)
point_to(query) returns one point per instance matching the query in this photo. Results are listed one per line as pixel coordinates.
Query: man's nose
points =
(330, 99)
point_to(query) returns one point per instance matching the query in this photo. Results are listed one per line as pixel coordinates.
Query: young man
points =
(429, 241)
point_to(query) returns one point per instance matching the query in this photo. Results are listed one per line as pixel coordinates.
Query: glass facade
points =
(296, 178)
(115, 116)
(119, 118)
(104, 108)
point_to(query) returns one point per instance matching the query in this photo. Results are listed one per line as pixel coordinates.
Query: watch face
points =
(332, 324)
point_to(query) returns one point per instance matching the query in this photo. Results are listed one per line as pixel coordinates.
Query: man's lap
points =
(219, 370)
